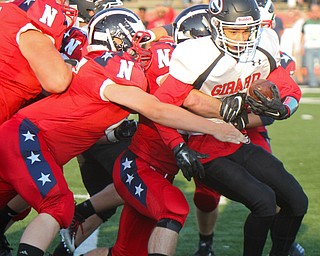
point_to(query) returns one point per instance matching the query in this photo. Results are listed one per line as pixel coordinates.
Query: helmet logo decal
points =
(216, 6)
(244, 19)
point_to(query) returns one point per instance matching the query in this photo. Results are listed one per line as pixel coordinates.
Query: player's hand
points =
(241, 120)
(72, 62)
(265, 107)
(232, 106)
(123, 132)
(126, 130)
(188, 161)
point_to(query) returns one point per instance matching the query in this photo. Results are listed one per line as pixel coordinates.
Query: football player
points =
(239, 54)
(30, 51)
(42, 137)
(31, 35)
(205, 199)
(73, 45)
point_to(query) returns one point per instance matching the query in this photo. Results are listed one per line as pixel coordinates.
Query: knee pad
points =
(205, 199)
(265, 205)
(174, 205)
(170, 224)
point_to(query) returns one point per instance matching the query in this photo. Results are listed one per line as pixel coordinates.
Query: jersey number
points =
(48, 16)
(163, 58)
(125, 70)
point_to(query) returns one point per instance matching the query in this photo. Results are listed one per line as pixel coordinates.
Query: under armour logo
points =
(256, 62)
(216, 6)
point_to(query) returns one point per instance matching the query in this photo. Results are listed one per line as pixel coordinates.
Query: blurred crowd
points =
(300, 37)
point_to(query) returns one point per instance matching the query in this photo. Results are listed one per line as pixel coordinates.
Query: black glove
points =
(72, 62)
(241, 120)
(271, 108)
(123, 132)
(188, 161)
(232, 106)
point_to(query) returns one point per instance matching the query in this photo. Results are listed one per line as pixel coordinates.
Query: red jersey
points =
(16, 17)
(74, 120)
(147, 142)
(74, 44)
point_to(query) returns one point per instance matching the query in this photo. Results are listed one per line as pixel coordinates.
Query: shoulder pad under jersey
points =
(74, 44)
(269, 42)
(47, 16)
(192, 57)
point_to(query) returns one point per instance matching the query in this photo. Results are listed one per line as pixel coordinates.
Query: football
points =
(263, 86)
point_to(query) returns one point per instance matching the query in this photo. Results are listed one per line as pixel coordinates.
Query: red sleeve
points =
(286, 85)
(48, 16)
(174, 92)
(74, 44)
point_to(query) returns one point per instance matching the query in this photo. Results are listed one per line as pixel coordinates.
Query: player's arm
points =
(286, 97)
(168, 114)
(256, 120)
(202, 104)
(159, 32)
(45, 60)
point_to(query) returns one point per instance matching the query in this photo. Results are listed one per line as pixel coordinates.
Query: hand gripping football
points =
(263, 86)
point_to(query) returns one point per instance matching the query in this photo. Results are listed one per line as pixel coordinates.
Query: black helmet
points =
(85, 6)
(192, 22)
(114, 28)
(235, 14)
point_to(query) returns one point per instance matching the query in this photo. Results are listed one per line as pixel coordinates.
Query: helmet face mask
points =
(238, 16)
(138, 50)
(191, 23)
(114, 28)
(70, 13)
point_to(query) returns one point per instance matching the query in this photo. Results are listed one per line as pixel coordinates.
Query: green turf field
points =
(295, 141)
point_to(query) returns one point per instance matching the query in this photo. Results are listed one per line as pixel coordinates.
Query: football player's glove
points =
(271, 108)
(72, 62)
(232, 106)
(188, 161)
(241, 120)
(123, 132)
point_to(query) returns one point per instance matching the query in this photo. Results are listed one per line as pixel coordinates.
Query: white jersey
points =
(192, 58)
